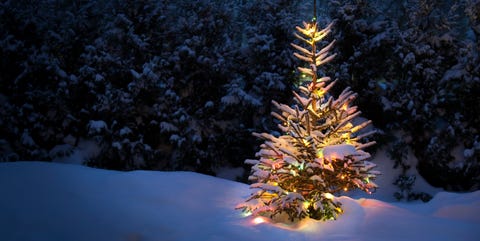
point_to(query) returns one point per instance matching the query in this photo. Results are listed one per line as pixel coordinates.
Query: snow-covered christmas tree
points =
(321, 150)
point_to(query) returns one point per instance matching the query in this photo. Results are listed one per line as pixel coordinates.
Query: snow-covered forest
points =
(181, 85)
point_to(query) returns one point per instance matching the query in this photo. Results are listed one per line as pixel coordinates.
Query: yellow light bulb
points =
(339, 210)
(305, 142)
(320, 154)
(306, 204)
(320, 92)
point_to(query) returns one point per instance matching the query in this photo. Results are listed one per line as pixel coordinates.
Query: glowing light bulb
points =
(342, 177)
(320, 154)
(320, 92)
(302, 166)
(306, 204)
(345, 189)
(258, 220)
(305, 142)
(246, 214)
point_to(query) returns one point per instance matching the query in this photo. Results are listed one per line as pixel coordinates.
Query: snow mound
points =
(52, 201)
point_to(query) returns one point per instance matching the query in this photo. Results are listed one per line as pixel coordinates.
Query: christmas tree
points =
(321, 151)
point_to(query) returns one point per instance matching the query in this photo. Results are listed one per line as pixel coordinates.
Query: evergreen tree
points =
(321, 150)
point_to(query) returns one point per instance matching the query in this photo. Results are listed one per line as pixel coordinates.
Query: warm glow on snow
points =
(258, 220)
(449, 216)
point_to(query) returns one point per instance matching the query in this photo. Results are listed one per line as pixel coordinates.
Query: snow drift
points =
(51, 201)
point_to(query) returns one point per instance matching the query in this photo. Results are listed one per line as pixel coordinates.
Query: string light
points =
(306, 204)
(320, 154)
(258, 220)
(320, 92)
(246, 214)
(339, 210)
(306, 142)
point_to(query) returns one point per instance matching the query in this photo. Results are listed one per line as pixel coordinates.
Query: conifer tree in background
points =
(321, 150)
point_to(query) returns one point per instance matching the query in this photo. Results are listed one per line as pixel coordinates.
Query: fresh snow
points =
(338, 151)
(96, 126)
(53, 201)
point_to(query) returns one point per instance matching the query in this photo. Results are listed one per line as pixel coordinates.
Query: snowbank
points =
(52, 201)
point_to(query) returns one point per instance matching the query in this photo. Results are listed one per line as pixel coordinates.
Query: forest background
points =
(180, 85)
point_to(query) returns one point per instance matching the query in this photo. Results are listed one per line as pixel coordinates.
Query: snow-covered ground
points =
(53, 201)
